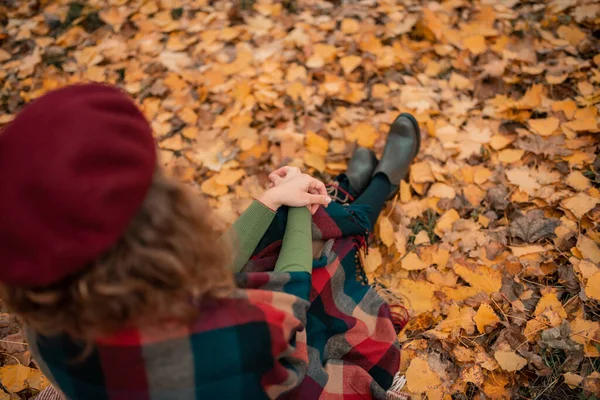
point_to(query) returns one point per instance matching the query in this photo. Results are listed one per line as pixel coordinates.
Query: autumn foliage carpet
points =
(493, 241)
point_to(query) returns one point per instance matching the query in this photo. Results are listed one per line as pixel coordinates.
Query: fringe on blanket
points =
(50, 393)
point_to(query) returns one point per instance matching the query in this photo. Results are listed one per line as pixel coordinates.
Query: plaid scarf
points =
(281, 335)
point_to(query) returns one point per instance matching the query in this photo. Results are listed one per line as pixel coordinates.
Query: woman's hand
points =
(283, 174)
(298, 191)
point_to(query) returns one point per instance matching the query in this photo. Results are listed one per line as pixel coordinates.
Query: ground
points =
(493, 242)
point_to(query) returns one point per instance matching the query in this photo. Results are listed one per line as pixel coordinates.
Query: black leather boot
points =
(402, 146)
(360, 168)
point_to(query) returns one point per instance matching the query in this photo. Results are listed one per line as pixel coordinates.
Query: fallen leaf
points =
(533, 226)
(509, 360)
(14, 377)
(420, 377)
(412, 262)
(485, 317)
(386, 231)
(545, 126)
(572, 380)
(475, 44)
(372, 260)
(349, 63)
(580, 204)
(421, 172)
(588, 249)
(592, 288)
(442, 191)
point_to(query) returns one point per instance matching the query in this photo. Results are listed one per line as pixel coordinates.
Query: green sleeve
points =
(246, 232)
(296, 251)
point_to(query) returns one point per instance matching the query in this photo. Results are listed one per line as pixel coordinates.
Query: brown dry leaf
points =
(350, 26)
(509, 360)
(315, 161)
(572, 380)
(578, 181)
(485, 317)
(523, 179)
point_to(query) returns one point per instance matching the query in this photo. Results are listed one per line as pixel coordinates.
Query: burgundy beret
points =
(75, 167)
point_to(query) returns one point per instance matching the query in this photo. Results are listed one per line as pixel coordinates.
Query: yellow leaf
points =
(580, 204)
(522, 178)
(14, 377)
(174, 143)
(582, 125)
(568, 107)
(316, 144)
(520, 251)
(364, 134)
(482, 277)
(190, 132)
(372, 260)
(349, 63)
(550, 307)
(499, 142)
(446, 221)
(459, 82)
(475, 44)
(509, 360)
(481, 175)
(509, 156)
(380, 91)
(572, 380)
(386, 231)
(592, 288)
(405, 195)
(350, 26)
(485, 316)
(295, 90)
(422, 238)
(412, 262)
(442, 191)
(228, 177)
(212, 188)
(571, 34)
(545, 126)
(578, 181)
(315, 160)
(421, 172)
(418, 296)
(420, 377)
(588, 248)
(556, 79)
(326, 52)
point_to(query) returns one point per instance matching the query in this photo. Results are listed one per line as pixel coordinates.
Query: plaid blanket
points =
(281, 335)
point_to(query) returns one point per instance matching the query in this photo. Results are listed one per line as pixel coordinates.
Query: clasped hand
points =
(290, 187)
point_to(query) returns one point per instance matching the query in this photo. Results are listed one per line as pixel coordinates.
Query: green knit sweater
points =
(247, 231)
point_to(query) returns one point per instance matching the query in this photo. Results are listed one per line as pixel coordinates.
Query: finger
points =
(318, 199)
(280, 172)
(276, 179)
(318, 186)
(313, 208)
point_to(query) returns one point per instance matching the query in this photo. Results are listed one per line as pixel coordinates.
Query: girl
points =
(127, 292)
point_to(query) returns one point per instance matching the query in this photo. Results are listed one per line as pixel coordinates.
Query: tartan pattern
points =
(281, 335)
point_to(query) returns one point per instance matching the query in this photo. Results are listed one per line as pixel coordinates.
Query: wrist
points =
(269, 200)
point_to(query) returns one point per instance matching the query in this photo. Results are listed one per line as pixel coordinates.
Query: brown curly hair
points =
(168, 260)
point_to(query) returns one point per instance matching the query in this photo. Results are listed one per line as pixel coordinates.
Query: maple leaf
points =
(551, 147)
(532, 226)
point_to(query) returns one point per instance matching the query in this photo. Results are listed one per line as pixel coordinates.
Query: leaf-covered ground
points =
(493, 241)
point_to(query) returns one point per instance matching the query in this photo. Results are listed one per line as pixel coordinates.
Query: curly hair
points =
(168, 259)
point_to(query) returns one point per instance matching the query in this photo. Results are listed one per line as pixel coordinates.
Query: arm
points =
(247, 231)
(296, 251)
